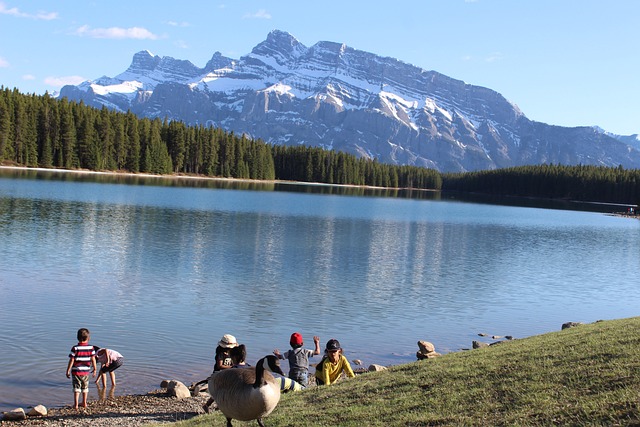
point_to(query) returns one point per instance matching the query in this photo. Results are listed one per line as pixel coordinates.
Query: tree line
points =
(582, 182)
(41, 131)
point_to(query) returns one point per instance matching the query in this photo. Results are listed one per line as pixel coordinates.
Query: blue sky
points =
(563, 62)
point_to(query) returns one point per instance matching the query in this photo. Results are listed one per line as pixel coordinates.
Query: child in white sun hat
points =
(223, 359)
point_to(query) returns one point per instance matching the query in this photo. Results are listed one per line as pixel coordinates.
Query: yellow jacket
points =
(329, 373)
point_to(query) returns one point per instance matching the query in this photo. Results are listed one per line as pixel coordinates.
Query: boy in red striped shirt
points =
(82, 361)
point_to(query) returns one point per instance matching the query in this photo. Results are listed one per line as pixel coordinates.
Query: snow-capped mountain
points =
(333, 96)
(631, 140)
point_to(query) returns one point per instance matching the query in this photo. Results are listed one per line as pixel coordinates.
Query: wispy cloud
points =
(116, 33)
(14, 11)
(62, 81)
(261, 14)
(181, 44)
(495, 56)
(28, 77)
(178, 24)
(4, 63)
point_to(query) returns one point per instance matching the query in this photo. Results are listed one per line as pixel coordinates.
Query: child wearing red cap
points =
(298, 358)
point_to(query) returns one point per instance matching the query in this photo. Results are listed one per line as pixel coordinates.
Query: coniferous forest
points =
(584, 183)
(41, 131)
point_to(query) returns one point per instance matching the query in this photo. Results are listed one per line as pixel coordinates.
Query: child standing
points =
(110, 360)
(82, 361)
(333, 364)
(298, 358)
(223, 360)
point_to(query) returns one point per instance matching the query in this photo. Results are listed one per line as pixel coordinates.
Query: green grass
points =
(584, 376)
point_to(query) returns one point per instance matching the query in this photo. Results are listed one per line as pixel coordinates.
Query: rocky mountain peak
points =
(336, 97)
(143, 62)
(218, 61)
(151, 70)
(281, 46)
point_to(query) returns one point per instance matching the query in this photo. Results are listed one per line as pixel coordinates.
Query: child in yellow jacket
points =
(333, 365)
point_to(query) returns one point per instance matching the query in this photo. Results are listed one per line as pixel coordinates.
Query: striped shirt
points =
(81, 355)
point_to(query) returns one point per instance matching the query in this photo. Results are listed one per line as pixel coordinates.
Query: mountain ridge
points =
(336, 97)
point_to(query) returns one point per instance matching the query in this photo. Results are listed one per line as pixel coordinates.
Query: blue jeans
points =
(301, 378)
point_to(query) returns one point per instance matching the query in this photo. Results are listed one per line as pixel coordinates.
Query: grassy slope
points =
(588, 375)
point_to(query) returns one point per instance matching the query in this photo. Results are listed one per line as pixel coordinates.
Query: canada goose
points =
(247, 394)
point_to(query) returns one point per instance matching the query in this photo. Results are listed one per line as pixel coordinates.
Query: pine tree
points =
(30, 147)
(5, 123)
(66, 156)
(133, 143)
(157, 156)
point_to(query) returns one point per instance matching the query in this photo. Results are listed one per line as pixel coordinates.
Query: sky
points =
(562, 62)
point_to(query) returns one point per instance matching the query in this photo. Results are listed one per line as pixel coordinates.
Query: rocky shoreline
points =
(173, 402)
(158, 406)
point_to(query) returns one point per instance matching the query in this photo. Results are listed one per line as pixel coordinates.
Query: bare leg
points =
(113, 378)
(76, 399)
(85, 394)
(103, 378)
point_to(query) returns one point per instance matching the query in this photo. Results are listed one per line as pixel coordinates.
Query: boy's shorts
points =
(113, 366)
(80, 383)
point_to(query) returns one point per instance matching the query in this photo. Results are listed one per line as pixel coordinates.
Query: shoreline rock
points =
(426, 350)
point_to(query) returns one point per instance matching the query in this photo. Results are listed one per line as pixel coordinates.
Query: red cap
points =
(296, 339)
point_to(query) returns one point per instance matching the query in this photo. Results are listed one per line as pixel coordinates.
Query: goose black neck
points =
(259, 374)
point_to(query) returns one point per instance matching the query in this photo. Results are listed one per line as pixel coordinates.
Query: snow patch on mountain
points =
(333, 96)
(124, 87)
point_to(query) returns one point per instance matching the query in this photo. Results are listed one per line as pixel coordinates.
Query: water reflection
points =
(212, 183)
(171, 269)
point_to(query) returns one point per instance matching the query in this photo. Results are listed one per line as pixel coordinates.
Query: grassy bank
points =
(587, 375)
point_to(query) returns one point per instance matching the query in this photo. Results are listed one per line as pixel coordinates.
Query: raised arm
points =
(316, 341)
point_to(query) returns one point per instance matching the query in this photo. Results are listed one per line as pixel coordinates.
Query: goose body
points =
(247, 394)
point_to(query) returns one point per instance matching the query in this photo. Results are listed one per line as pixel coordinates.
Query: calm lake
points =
(159, 269)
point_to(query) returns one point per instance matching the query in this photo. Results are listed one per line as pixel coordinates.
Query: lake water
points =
(159, 269)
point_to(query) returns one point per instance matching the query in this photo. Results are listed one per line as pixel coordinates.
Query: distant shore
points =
(188, 177)
(205, 177)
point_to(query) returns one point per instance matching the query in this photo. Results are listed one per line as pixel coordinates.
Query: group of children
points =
(230, 354)
(83, 360)
(331, 367)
